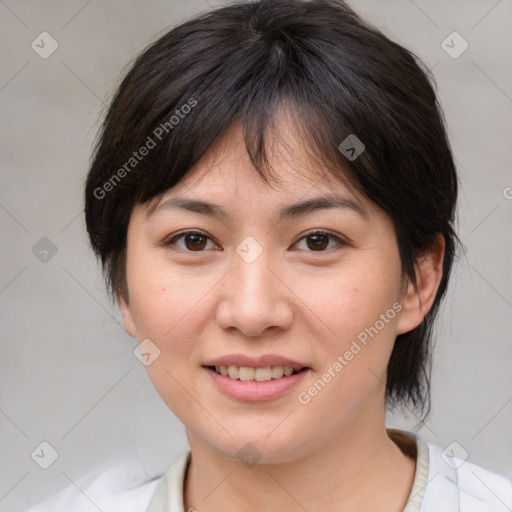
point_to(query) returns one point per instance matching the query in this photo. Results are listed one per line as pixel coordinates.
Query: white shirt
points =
(442, 483)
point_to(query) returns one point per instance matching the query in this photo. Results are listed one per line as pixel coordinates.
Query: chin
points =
(252, 446)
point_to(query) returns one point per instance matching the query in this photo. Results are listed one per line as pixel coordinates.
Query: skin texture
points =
(295, 301)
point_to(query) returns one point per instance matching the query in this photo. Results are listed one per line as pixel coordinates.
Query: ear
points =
(417, 303)
(129, 323)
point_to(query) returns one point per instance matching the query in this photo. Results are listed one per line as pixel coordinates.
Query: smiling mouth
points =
(246, 373)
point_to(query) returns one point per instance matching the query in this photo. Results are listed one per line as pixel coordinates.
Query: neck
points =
(360, 468)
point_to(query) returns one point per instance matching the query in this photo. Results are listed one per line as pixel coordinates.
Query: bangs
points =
(284, 116)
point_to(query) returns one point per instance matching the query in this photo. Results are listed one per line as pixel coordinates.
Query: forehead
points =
(226, 171)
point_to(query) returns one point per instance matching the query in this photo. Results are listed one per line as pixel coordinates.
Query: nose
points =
(254, 298)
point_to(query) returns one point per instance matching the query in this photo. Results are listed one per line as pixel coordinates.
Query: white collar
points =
(168, 494)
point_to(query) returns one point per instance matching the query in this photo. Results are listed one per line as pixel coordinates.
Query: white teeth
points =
(233, 371)
(247, 373)
(261, 374)
(277, 372)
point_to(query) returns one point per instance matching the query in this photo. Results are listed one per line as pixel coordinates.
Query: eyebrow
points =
(289, 211)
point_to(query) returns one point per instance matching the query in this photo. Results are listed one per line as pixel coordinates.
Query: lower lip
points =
(252, 391)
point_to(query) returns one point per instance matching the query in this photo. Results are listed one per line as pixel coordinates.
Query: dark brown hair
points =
(242, 63)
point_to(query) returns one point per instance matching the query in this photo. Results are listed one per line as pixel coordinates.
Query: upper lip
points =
(255, 362)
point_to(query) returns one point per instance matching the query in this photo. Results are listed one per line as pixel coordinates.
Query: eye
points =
(319, 240)
(196, 241)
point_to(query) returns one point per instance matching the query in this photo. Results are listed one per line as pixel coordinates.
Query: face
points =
(318, 289)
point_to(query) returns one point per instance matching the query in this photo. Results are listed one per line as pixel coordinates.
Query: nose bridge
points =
(252, 298)
(251, 278)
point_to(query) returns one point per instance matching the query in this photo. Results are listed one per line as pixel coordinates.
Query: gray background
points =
(68, 375)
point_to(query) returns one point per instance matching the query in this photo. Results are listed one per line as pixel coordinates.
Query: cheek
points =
(159, 297)
(358, 318)
(350, 300)
(171, 308)
(168, 312)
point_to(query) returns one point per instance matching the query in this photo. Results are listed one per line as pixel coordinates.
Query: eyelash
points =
(171, 241)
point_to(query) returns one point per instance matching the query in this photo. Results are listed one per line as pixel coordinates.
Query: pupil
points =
(195, 241)
(318, 244)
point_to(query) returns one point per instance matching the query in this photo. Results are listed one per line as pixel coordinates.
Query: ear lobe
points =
(129, 324)
(417, 303)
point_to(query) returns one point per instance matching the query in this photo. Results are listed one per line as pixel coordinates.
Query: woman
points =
(272, 198)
